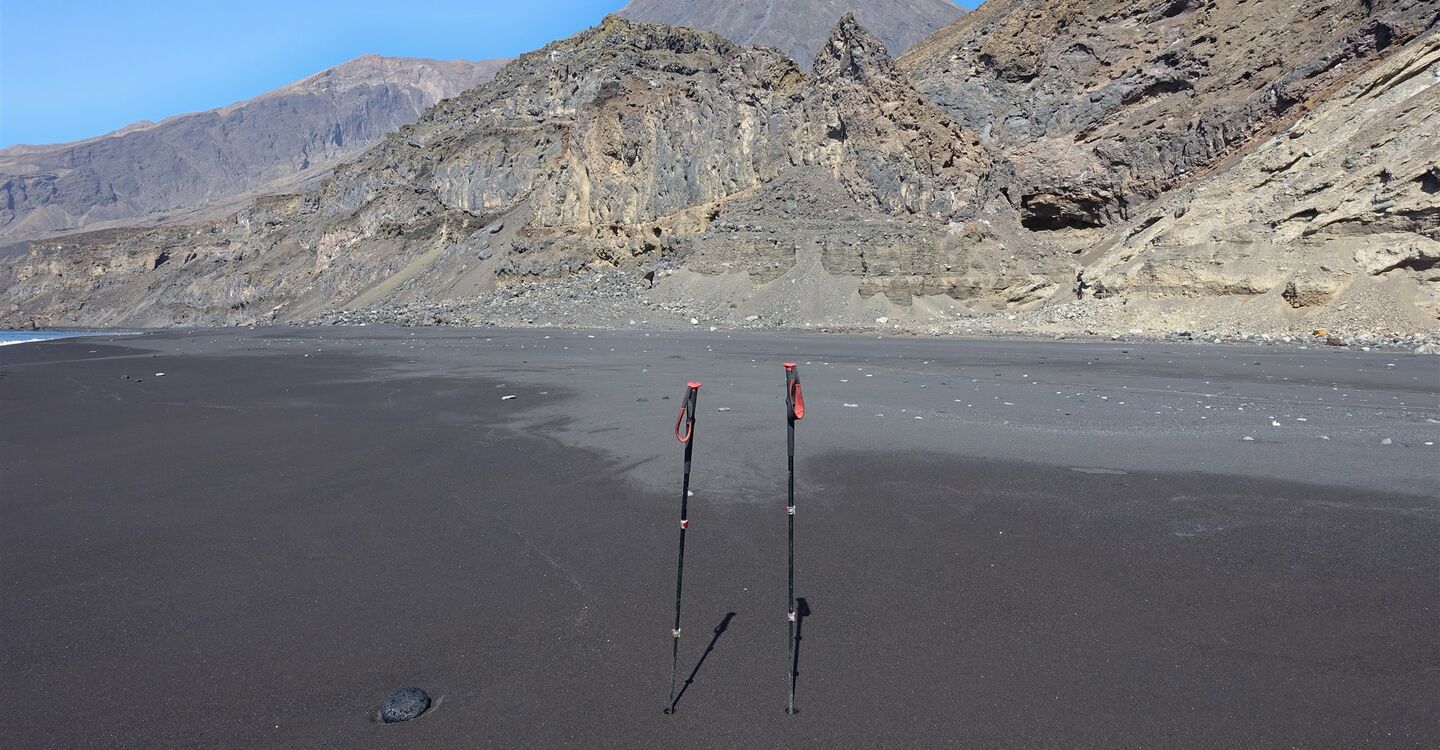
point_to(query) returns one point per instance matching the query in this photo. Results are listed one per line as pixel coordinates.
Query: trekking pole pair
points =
(794, 412)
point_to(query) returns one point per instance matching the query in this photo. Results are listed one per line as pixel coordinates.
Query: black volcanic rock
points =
(404, 704)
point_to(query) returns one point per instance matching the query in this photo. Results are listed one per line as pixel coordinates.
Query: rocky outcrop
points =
(1349, 194)
(1275, 193)
(1101, 105)
(615, 148)
(799, 28)
(153, 171)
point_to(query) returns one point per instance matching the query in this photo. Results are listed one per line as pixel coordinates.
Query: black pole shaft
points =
(790, 514)
(792, 378)
(691, 399)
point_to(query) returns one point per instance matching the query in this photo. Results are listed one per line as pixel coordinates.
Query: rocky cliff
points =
(151, 171)
(640, 170)
(1101, 105)
(616, 148)
(799, 27)
(1342, 206)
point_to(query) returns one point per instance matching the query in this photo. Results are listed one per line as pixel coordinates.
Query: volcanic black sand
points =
(1001, 544)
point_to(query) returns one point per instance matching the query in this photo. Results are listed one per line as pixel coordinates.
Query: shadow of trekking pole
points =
(802, 611)
(719, 631)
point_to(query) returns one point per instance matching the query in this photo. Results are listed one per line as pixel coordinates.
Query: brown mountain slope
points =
(1103, 104)
(800, 27)
(187, 162)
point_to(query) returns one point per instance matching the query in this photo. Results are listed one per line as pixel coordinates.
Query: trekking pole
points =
(794, 412)
(687, 418)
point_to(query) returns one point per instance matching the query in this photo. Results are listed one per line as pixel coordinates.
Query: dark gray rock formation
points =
(1103, 104)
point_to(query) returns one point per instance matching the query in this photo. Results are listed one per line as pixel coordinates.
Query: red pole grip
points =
(793, 394)
(687, 407)
(689, 426)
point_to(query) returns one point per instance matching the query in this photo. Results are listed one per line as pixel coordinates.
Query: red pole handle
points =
(794, 397)
(689, 427)
(688, 407)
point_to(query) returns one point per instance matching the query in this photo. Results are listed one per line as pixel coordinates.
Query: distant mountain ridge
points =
(147, 171)
(800, 27)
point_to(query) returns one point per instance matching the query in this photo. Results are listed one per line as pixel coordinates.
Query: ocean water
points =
(25, 337)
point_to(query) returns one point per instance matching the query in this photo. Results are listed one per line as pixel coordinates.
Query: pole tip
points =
(694, 385)
(789, 365)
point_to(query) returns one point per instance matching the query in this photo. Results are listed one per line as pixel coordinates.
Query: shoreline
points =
(1300, 341)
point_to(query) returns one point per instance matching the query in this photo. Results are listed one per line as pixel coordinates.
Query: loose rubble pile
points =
(615, 299)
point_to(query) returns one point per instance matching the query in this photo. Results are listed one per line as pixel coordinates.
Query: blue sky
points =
(72, 69)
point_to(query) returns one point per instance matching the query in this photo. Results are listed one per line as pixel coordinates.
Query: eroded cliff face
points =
(1265, 185)
(617, 147)
(1347, 197)
(1101, 105)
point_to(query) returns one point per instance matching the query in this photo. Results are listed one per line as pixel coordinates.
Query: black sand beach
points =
(1036, 545)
